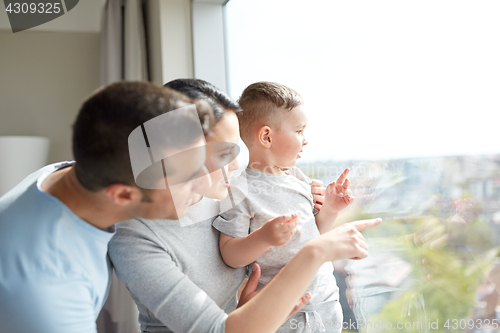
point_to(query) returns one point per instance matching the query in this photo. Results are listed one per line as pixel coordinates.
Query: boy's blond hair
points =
(261, 103)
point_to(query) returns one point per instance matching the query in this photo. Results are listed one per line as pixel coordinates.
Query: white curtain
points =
(123, 42)
(123, 57)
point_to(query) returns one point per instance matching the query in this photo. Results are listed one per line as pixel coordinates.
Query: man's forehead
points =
(162, 138)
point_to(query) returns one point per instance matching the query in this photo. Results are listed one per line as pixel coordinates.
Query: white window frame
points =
(209, 45)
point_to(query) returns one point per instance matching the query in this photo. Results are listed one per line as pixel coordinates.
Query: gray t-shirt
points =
(175, 273)
(257, 197)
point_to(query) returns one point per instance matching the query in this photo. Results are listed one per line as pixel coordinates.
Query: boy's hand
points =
(279, 231)
(338, 195)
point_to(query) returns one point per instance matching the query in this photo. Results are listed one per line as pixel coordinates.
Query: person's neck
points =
(259, 161)
(93, 208)
(196, 198)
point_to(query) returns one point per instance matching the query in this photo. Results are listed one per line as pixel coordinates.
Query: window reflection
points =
(435, 257)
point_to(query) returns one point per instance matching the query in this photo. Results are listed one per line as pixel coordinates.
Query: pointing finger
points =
(343, 176)
(365, 224)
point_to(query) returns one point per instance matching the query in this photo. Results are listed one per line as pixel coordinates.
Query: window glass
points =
(405, 94)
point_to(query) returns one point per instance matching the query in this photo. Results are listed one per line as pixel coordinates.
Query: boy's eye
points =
(298, 132)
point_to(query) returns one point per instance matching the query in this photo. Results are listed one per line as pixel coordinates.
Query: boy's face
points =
(289, 139)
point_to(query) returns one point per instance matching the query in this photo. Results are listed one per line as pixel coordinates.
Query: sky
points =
(381, 79)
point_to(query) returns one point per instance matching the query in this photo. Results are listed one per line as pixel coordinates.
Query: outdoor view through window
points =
(406, 95)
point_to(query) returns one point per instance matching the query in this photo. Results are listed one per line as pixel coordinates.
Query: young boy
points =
(272, 126)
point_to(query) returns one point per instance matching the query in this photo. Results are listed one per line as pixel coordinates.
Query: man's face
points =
(186, 174)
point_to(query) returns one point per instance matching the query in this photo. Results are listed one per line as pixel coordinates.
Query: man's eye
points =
(225, 155)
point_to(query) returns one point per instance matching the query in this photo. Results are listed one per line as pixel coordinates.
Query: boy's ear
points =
(265, 134)
(123, 195)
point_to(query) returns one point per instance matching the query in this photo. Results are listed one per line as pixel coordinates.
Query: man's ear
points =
(265, 134)
(123, 195)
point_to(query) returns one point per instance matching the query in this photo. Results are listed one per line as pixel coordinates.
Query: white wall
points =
(47, 71)
(170, 41)
(44, 78)
(85, 17)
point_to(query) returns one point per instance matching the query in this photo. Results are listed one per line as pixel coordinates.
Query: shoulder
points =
(26, 202)
(31, 229)
(133, 234)
(131, 230)
(238, 191)
(297, 173)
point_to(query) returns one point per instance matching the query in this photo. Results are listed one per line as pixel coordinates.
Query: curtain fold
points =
(123, 57)
(123, 42)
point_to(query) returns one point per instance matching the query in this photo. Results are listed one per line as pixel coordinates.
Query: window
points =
(383, 79)
(406, 94)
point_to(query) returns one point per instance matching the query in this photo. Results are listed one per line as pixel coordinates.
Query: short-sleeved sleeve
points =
(235, 214)
(155, 280)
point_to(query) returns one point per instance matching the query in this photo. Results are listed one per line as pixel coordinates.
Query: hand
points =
(468, 211)
(280, 230)
(345, 241)
(338, 195)
(318, 192)
(349, 290)
(250, 291)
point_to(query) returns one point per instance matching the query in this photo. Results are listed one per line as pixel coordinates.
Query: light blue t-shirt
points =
(54, 272)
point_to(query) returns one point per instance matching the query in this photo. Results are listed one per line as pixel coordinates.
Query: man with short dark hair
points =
(56, 224)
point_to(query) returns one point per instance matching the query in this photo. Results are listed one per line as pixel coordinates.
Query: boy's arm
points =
(325, 220)
(337, 197)
(242, 251)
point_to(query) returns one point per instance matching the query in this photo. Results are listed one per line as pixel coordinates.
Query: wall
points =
(170, 41)
(44, 77)
(85, 17)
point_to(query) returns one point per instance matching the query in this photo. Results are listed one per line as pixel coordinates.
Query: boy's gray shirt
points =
(257, 197)
(175, 273)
